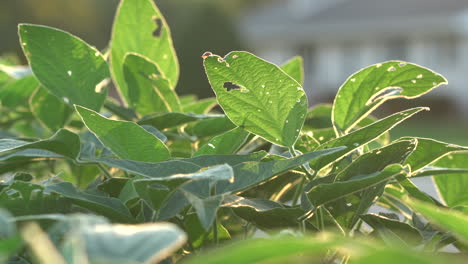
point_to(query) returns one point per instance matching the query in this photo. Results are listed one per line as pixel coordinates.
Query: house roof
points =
(355, 18)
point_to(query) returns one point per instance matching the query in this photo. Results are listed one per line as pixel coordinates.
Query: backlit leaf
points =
(126, 139)
(65, 65)
(370, 87)
(258, 96)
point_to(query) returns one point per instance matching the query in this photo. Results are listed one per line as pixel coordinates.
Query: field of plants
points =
(254, 175)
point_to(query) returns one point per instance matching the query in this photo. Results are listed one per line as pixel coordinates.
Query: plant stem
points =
(307, 172)
(104, 170)
(298, 191)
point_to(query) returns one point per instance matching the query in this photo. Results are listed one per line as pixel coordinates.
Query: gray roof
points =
(348, 18)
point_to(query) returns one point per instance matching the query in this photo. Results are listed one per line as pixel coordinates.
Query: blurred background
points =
(335, 38)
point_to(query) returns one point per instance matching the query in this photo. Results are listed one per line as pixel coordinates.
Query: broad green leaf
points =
(65, 65)
(248, 174)
(197, 236)
(126, 139)
(210, 127)
(17, 93)
(144, 243)
(168, 120)
(449, 220)
(106, 206)
(412, 190)
(152, 40)
(324, 193)
(258, 96)
(264, 214)
(23, 198)
(122, 112)
(362, 136)
(295, 68)
(378, 159)
(206, 208)
(452, 187)
(370, 87)
(155, 196)
(167, 168)
(201, 106)
(148, 90)
(391, 229)
(63, 142)
(51, 112)
(227, 143)
(319, 122)
(428, 151)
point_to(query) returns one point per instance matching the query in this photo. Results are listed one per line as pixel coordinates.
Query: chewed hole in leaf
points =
(159, 25)
(229, 86)
(382, 94)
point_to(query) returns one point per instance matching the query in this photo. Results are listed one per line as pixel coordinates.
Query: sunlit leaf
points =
(258, 96)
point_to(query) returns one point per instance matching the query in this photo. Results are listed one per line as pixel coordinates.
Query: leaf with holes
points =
(126, 139)
(139, 27)
(258, 96)
(370, 87)
(65, 65)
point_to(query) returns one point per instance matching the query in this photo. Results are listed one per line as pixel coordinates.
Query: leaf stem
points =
(104, 170)
(309, 175)
(298, 191)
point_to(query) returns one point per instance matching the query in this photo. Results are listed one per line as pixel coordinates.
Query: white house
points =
(338, 37)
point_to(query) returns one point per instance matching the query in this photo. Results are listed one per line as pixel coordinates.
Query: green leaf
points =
(295, 68)
(145, 243)
(227, 143)
(155, 196)
(449, 220)
(206, 208)
(370, 87)
(378, 159)
(168, 120)
(63, 142)
(126, 139)
(362, 136)
(258, 96)
(65, 65)
(152, 40)
(49, 110)
(167, 168)
(264, 214)
(202, 106)
(198, 236)
(23, 198)
(248, 174)
(428, 151)
(210, 127)
(324, 193)
(390, 229)
(256, 250)
(148, 90)
(452, 187)
(106, 206)
(16, 93)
